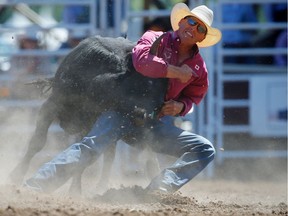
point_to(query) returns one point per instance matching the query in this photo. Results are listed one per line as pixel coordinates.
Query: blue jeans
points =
(194, 152)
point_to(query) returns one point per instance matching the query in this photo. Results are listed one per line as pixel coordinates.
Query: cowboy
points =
(175, 56)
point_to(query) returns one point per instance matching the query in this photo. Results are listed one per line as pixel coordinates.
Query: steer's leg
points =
(47, 114)
(75, 189)
(152, 167)
(108, 159)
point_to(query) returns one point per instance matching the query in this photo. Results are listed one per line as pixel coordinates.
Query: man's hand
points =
(171, 108)
(183, 73)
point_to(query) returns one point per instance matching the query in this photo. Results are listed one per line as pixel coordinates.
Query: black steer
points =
(96, 76)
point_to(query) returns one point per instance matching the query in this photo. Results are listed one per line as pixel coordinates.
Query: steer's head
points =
(144, 95)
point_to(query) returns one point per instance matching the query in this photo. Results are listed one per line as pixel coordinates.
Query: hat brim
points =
(180, 11)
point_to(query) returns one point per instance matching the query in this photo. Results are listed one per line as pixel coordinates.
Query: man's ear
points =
(203, 38)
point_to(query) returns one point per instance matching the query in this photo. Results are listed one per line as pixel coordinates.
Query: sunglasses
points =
(200, 28)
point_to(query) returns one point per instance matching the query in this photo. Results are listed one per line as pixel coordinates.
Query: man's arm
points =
(146, 63)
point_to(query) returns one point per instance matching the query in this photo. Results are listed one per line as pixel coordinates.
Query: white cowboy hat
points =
(203, 13)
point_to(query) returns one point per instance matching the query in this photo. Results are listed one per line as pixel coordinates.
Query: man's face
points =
(191, 30)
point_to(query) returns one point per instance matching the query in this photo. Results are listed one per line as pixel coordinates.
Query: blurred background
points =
(244, 113)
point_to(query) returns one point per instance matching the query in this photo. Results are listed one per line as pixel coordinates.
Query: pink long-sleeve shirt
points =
(155, 66)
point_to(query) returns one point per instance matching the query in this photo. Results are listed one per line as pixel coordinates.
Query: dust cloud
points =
(238, 187)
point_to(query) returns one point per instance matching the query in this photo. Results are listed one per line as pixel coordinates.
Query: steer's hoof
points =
(75, 191)
(16, 177)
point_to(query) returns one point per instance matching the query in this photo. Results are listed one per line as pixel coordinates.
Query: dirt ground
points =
(200, 197)
(227, 193)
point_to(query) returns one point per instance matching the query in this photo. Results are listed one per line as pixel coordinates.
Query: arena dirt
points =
(221, 195)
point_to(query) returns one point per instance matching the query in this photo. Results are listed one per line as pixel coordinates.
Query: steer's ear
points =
(155, 45)
(129, 62)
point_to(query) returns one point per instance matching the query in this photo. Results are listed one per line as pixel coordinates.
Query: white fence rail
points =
(243, 72)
